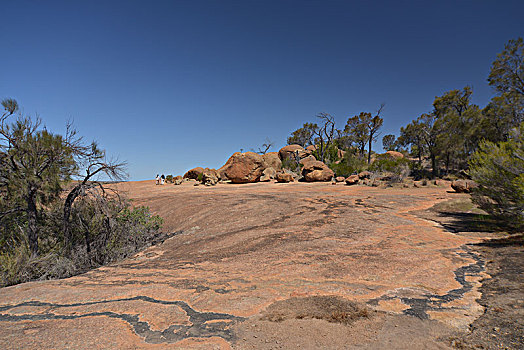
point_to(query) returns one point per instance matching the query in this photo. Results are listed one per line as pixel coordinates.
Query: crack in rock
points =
(200, 326)
(433, 302)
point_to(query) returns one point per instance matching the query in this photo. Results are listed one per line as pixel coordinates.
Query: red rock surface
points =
(242, 248)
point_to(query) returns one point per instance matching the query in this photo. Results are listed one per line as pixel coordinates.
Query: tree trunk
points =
(32, 234)
(434, 167)
(369, 153)
(68, 204)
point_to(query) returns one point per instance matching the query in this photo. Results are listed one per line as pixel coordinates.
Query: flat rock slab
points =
(243, 248)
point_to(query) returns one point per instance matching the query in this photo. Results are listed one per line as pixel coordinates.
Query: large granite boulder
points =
(464, 186)
(290, 150)
(365, 174)
(177, 180)
(268, 174)
(317, 171)
(284, 177)
(309, 158)
(210, 177)
(311, 148)
(340, 179)
(352, 180)
(243, 167)
(394, 154)
(194, 173)
(272, 160)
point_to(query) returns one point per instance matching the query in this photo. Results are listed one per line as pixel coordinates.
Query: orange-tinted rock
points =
(394, 154)
(308, 159)
(290, 150)
(317, 171)
(244, 167)
(177, 180)
(284, 177)
(194, 173)
(210, 177)
(268, 174)
(311, 148)
(272, 160)
(364, 174)
(339, 179)
(352, 180)
(464, 186)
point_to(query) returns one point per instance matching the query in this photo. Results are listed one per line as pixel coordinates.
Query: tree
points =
(324, 134)
(373, 124)
(303, 136)
(429, 136)
(93, 160)
(357, 132)
(498, 168)
(388, 142)
(412, 134)
(52, 204)
(507, 72)
(265, 146)
(505, 111)
(35, 163)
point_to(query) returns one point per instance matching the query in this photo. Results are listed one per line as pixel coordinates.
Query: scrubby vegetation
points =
(56, 219)
(498, 168)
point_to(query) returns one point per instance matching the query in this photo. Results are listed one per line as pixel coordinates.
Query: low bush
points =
(397, 168)
(97, 240)
(352, 163)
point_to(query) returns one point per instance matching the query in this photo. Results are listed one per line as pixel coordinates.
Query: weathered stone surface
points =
(243, 248)
(340, 179)
(394, 154)
(272, 160)
(194, 173)
(352, 180)
(464, 186)
(268, 174)
(317, 171)
(311, 148)
(243, 167)
(307, 159)
(289, 150)
(365, 174)
(284, 177)
(177, 180)
(210, 177)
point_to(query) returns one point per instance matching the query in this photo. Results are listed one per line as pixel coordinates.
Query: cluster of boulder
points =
(251, 167)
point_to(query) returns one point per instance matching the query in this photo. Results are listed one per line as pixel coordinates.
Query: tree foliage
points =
(498, 168)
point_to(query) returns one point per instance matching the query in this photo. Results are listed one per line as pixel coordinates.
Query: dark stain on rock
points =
(200, 326)
(433, 302)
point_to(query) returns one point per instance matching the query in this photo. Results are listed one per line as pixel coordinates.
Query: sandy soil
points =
(268, 266)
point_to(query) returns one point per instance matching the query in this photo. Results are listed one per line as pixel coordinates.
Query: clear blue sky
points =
(169, 85)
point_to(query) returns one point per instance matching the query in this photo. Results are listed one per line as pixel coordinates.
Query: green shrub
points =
(169, 178)
(117, 234)
(498, 168)
(350, 164)
(398, 168)
(291, 164)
